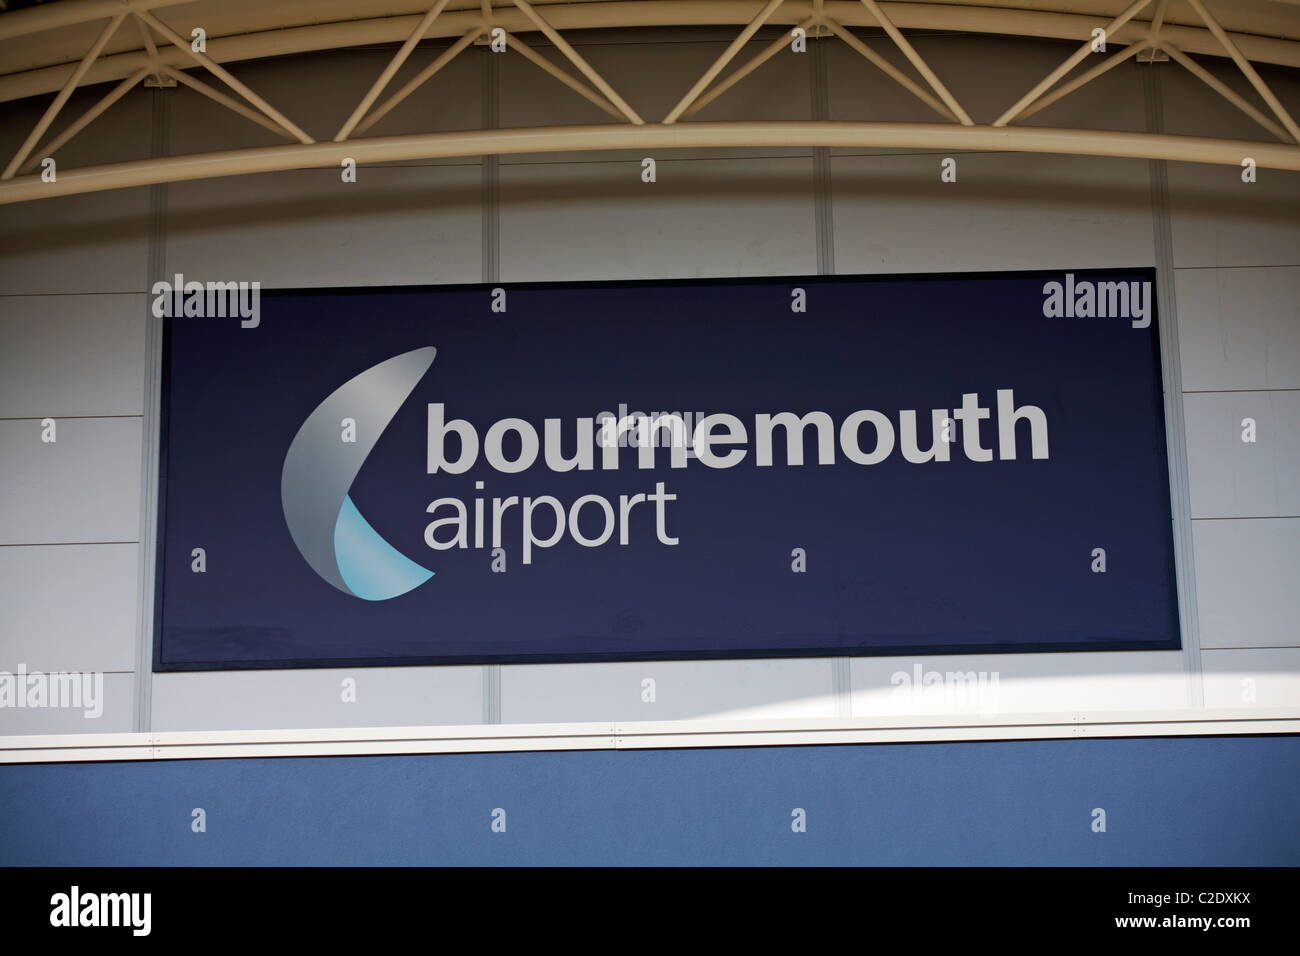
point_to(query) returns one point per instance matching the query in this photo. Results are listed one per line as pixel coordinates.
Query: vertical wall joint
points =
(156, 269)
(1171, 368)
(491, 198)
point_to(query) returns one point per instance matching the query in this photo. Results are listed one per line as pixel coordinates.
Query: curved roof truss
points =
(132, 42)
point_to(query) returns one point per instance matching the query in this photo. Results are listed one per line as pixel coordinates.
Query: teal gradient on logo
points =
(319, 468)
(371, 567)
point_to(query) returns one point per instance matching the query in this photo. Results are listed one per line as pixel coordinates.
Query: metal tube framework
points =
(818, 20)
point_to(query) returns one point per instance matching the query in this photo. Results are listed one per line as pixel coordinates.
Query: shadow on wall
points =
(317, 201)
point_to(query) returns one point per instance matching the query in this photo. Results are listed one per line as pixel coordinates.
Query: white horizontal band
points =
(636, 735)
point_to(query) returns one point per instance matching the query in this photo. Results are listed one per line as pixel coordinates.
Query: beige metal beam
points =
(221, 73)
(579, 61)
(147, 39)
(394, 65)
(1214, 83)
(70, 13)
(228, 102)
(726, 57)
(86, 118)
(1244, 64)
(495, 142)
(586, 92)
(738, 74)
(893, 72)
(1070, 62)
(1158, 17)
(654, 13)
(918, 61)
(1065, 89)
(415, 82)
(1266, 19)
(54, 108)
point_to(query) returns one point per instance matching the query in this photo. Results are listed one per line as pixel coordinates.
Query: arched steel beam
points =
(654, 136)
(71, 13)
(959, 18)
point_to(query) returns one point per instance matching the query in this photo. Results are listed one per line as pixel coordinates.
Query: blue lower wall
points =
(1169, 801)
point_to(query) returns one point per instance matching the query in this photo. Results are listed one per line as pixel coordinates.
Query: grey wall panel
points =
(84, 487)
(68, 607)
(893, 214)
(113, 695)
(1246, 575)
(1217, 219)
(394, 226)
(1239, 328)
(1252, 679)
(92, 243)
(975, 684)
(256, 700)
(683, 690)
(1232, 478)
(71, 355)
(702, 218)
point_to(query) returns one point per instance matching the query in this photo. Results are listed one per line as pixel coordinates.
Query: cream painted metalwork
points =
(39, 45)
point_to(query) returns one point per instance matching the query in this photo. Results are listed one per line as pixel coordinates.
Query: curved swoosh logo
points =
(333, 537)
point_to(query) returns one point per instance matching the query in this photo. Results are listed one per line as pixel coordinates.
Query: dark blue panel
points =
(902, 557)
(1169, 802)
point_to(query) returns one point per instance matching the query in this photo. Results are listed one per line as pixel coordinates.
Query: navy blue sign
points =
(662, 470)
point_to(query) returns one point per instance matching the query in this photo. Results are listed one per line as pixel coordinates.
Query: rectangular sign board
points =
(786, 467)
